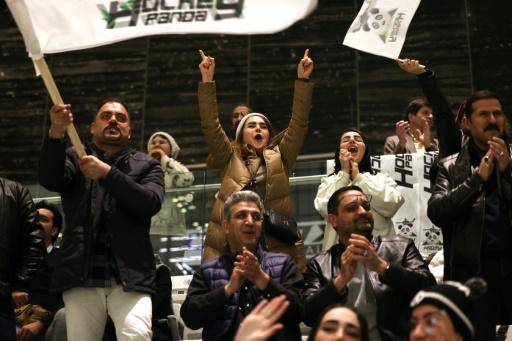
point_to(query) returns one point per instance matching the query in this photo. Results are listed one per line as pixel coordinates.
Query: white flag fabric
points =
(51, 26)
(381, 26)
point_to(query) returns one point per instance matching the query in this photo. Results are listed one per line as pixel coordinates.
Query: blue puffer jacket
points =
(208, 307)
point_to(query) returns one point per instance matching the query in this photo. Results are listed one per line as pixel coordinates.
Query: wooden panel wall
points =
(468, 46)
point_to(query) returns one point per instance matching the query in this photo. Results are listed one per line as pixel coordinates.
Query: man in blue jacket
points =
(225, 289)
(109, 196)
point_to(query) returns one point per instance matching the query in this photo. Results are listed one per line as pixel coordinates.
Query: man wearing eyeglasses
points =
(226, 289)
(378, 276)
(109, 196)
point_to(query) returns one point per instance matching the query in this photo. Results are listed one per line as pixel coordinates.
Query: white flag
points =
(50, 26)
(381, 26)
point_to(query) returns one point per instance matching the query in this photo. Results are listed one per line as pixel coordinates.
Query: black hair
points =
(478, 95)
(57, 217)
(365, 164)
(363, 325)
(111, 99)
(414, 106)
(332, 204)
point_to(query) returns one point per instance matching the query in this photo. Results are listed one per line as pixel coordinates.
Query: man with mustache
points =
(471, 202)
(106, 261)
(378, 276)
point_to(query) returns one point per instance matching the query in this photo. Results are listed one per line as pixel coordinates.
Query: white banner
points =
(381, 26)
(51, 26)
(411, 173)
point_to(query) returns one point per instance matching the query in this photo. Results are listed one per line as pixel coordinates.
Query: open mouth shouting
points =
(353, 150)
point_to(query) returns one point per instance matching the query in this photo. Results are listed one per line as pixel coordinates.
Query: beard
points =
(363, 227)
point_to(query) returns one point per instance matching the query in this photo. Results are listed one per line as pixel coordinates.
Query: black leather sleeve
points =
(319, 293)
(447, 132)
(448, 203)
(411, 275)
(31, 249)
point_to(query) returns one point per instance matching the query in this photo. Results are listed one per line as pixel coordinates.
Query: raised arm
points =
(293, 138)
(217, 141)
(447, 132)
(56, 171)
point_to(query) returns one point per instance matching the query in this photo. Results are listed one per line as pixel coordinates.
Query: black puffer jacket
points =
(133, 193)
(407, 274)
(21, 239)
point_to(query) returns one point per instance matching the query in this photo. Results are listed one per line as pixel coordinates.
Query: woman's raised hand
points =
(207, 67)
(305, 67)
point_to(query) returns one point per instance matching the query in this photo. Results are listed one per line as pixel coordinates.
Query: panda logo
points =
(374, 19)
(433, 237)
(405, 228)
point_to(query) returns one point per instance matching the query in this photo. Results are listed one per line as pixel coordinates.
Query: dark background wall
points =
(468, 44)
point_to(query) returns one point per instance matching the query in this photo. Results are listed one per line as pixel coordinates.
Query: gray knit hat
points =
(245, 118)
(175, 149)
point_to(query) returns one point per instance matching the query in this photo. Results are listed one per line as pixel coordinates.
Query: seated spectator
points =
(341, 324)
(170, 220)
(445, 311)
(353, 167)
(413, 133)
(34, 318)
(225, 289)
(262, 323)
(378, 276)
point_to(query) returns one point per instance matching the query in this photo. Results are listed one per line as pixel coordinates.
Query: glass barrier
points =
(179, 243)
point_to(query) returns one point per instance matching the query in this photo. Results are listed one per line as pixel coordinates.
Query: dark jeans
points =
(7, 320)
(495, 306)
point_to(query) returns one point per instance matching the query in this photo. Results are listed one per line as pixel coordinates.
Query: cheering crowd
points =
(254, 282)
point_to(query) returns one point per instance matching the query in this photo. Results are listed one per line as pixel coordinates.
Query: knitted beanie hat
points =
(240, 127)
(454, 298)
(175, 149)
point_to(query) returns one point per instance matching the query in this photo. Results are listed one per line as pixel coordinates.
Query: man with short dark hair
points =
(378, 276)
(471, 203)
(109, 196)
(34, 318)
(21, 252)
(225, 289)
(413, 133)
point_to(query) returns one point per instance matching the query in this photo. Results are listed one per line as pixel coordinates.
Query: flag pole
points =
(57, 99)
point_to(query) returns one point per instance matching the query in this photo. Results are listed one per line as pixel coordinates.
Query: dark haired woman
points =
(341, 324)
(353, 167)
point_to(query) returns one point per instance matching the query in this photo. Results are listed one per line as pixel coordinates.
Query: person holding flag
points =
(106, 261)
(257, 160)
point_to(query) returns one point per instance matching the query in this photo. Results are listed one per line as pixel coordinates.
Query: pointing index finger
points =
(306, 54)
(203, 56)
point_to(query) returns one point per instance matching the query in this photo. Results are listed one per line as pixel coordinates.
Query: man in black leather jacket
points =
(471, 202)
(21, 251)
(378, 278)
(109, 196)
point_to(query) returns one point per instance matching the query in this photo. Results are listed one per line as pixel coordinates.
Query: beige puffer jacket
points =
(279, 158)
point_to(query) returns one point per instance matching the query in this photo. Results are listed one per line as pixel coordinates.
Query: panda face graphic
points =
(433, 237)
(376, 20)
(405, 228)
